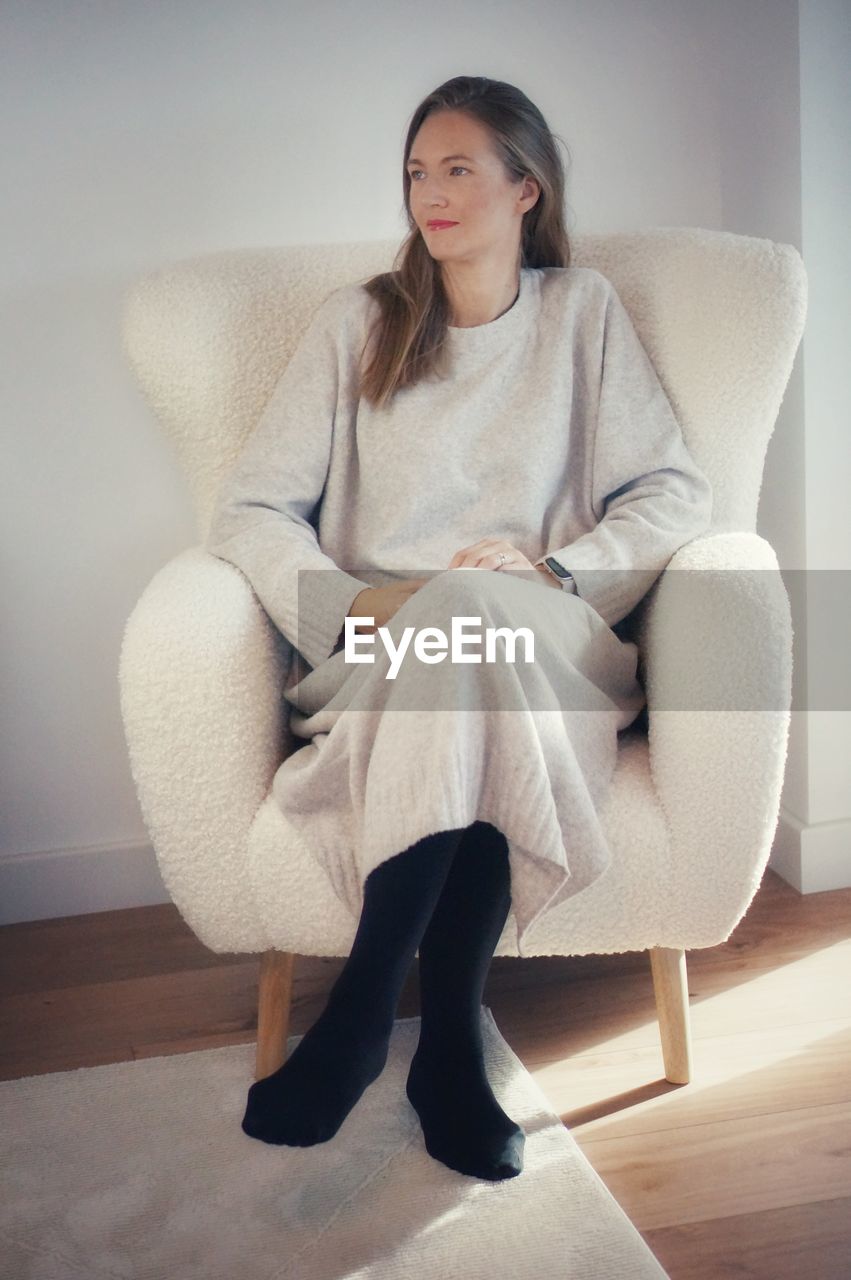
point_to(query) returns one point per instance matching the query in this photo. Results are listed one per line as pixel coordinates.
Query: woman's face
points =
(455, 175)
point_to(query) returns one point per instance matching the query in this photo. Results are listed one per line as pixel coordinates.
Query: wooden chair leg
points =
(273, 1011)
(670, 983)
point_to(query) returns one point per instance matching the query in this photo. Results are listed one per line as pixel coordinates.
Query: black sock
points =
(463, 1124)
(307, 1099)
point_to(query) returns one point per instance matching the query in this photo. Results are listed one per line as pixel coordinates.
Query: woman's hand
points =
(485, 554)
(380, 603)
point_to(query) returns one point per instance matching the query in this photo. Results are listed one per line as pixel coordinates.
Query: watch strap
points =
(558, 571)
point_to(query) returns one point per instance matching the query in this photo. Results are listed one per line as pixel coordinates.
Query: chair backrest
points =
(720, 315)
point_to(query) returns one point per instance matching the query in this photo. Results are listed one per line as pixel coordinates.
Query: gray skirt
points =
(413, 742)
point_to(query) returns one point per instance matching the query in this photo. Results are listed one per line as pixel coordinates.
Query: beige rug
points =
(140, 1169)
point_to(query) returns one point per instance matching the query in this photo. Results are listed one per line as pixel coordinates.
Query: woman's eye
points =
(414, 172)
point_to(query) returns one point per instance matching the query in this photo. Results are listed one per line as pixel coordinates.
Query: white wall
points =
(138, 134)
(814, 835)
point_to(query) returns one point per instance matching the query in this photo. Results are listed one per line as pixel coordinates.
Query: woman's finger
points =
(486, 549)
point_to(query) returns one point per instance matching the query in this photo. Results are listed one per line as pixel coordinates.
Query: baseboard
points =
(812, 859)
(76, 882)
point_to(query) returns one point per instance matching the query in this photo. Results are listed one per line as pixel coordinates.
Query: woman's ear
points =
(531, 187)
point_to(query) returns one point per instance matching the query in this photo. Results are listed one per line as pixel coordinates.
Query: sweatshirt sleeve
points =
(264, 519)
(649, 496)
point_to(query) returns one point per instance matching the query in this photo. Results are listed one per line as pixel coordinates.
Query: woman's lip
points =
(436, 226)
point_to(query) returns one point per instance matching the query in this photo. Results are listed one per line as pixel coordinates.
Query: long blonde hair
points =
(408, 337)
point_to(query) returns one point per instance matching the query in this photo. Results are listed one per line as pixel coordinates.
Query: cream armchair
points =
(695, 795)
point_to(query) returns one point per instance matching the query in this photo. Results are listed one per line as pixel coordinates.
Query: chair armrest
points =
(201, 673)
(715, 639)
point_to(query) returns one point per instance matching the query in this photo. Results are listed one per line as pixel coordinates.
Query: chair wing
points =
(715, 638)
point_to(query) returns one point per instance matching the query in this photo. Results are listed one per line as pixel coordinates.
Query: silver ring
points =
(503, 559)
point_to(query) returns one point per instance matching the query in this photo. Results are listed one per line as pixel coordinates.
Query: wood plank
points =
(66, 1028)
(43, 955)
(741, 1165)
(806, 1241)
(624, 1093)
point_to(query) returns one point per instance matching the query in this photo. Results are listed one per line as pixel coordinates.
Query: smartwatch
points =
(558, 571)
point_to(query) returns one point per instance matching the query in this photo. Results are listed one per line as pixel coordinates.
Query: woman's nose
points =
(431, 189)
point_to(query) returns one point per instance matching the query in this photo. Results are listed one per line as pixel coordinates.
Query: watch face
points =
(557, 569)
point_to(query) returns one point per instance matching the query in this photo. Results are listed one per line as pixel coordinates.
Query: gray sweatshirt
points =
(552, 431)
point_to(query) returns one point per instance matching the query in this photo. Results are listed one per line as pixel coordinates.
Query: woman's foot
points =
(307, 1099)
(463, 1124)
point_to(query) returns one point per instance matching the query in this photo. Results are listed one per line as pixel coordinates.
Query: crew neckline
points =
(483, 334)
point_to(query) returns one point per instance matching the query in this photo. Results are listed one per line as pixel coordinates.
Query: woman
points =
(484, 406)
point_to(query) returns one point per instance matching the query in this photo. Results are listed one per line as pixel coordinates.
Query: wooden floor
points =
(745, 1172)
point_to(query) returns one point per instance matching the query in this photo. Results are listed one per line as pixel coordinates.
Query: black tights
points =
(448, 894)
